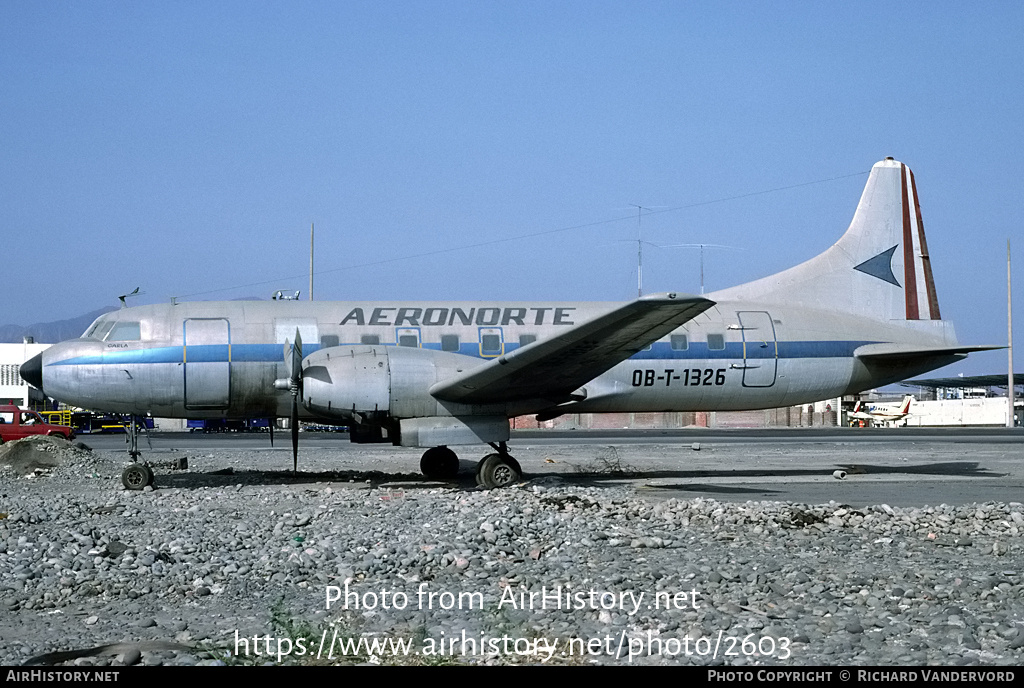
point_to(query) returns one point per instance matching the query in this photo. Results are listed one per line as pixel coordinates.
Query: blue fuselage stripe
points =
(273, 353)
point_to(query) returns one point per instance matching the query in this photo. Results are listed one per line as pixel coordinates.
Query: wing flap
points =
(555, 368)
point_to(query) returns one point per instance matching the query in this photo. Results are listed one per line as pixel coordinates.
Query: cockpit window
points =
(99, 329)
(125, 332)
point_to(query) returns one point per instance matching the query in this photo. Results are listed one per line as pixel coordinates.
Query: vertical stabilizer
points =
(879, 268)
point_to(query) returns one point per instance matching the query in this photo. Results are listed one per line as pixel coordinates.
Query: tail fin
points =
(878, 269)
(905, 406)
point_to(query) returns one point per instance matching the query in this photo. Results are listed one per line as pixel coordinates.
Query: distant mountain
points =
(51, 332)
(58, 331)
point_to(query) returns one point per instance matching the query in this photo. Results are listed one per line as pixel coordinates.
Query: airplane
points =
(437, 374)
(883, 413)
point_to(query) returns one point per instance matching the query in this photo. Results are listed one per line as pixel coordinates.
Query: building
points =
(14, 390)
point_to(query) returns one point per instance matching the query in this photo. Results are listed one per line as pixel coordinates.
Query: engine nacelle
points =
(347, 382)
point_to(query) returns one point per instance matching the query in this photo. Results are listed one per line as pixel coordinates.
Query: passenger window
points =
(525, 339)
(490, 344)
(449, 342)
(716, 342)
(679, 342)
(370, 339)
(408, 336)
(125, 332)
(329, 340)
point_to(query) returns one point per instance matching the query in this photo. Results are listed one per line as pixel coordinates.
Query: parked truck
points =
(16, 423)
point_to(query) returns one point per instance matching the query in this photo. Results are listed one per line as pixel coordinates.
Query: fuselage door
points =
(760, 349)
(207, 362)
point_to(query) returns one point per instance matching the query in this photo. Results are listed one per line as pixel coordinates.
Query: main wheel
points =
(137, 476)
(496, 470)
(439, 463)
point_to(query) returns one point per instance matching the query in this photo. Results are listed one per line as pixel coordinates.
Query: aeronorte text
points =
(486, 316)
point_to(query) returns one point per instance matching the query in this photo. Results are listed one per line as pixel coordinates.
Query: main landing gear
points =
(499, 469)
(439, 463)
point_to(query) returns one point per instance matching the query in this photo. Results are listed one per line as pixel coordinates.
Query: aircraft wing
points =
(554, 368)
(903, 352)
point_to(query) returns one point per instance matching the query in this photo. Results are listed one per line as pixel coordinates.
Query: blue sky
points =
(186, 147)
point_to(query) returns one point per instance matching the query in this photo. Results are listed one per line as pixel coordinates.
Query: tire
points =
(136, 477)
(439, 463)
(495, 470)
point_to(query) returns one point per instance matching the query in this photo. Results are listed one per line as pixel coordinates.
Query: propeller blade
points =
(295, 367)
(273, 422)
(295, 379)
(295, 434)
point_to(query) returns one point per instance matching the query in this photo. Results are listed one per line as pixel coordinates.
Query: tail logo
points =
(880, 266)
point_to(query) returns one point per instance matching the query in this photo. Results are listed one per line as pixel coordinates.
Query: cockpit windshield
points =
(114, 331)
(99, 328)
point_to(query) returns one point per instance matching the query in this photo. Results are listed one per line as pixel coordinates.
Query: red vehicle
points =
(16, 423)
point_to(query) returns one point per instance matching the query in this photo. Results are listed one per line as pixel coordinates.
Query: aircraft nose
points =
(32, 371)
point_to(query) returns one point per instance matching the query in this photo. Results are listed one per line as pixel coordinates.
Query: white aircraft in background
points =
(438, 374)
(882, 413)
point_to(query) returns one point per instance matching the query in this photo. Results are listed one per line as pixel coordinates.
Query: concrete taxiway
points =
(899, 467)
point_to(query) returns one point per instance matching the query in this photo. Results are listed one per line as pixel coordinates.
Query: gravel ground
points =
(221, 564)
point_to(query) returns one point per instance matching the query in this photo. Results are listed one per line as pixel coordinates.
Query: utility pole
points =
(1009, 339)
(639, 252)
(310, 261)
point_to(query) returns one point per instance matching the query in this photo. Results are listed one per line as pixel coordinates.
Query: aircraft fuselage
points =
(221, 359)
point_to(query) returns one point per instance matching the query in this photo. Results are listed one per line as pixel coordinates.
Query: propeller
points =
(293, 361)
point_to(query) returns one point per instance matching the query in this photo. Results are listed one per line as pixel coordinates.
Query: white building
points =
(14, 390)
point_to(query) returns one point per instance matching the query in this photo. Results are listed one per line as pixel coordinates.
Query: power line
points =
(531, 235)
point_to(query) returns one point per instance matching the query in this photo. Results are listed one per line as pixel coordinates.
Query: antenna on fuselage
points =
(702, 247)
(122, 297)
(640, 245)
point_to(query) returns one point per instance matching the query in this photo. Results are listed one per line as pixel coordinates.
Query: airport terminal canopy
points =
(965, 382)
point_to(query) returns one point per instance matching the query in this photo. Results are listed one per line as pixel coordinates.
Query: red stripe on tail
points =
(909, 273)
(929, 283)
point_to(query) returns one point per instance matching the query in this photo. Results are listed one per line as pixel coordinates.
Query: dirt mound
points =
(25, 456)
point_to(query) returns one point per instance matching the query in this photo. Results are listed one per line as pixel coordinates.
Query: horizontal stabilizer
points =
(555, 368)
(903, 352)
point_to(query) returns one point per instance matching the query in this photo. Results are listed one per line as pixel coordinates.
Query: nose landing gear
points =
(138, 475)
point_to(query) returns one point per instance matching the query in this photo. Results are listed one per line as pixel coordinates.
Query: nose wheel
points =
(137, 476)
